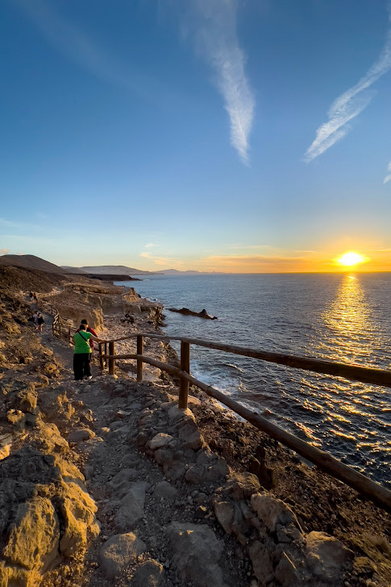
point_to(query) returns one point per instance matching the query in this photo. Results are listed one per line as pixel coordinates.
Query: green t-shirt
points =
(81, 342)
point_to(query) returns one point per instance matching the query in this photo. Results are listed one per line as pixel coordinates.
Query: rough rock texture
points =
(196, 552)
(148, 574)
(132, 506)
(46, 513)
(118, 551)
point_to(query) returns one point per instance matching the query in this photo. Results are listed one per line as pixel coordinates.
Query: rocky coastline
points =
(108, 481)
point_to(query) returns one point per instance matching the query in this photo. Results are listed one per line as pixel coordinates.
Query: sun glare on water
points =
(351, 259)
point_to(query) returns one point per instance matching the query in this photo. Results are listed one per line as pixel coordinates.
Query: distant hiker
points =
(40, 322)
(88, 329)
(82, 353)
(35, 319)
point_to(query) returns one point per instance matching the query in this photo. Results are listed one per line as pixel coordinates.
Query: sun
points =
(351, 259)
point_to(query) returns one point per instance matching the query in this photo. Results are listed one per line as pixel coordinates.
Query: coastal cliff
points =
(107, 480)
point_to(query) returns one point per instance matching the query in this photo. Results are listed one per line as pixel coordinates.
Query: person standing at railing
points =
(89, 329)
(82, 353)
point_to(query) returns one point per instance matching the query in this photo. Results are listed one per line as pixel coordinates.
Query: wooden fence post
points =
(111, 360)
(105, 357)
(101, 364)
(139, 361)
(185, 366)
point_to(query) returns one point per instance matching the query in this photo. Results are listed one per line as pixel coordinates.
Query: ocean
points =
(341, 317)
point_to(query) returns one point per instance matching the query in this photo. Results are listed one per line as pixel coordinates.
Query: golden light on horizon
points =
(351, 259)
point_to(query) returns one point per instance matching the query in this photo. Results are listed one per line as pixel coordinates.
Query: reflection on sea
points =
(348, 321)
(348, 332)
(334, 317)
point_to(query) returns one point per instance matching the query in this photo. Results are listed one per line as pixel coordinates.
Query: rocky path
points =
(154, 529)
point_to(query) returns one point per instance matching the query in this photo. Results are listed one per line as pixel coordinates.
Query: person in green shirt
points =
(82, 353)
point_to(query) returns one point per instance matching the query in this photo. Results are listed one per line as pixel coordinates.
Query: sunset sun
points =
(351, 259)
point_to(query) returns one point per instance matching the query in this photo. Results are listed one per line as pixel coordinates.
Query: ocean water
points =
(346, 318)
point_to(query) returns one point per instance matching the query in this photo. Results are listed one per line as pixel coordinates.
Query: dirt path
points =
(132, 493)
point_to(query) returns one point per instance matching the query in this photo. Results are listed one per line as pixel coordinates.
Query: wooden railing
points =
(323, 460)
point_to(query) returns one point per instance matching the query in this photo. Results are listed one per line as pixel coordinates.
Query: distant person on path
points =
(40, 322)
(35, 319)
(82, 353)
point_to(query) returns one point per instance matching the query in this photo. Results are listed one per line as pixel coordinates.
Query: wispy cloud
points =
(4, 251)
(212, 24)
(238, 246)
(388, 176)
(350, 104)
(80, 47)
(12, 225)
(162, 261)
(150, 245)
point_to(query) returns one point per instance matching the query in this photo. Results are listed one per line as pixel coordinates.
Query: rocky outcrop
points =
(46, 515)
(187, 312)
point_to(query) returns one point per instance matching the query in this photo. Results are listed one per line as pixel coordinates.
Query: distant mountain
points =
(112, 270)
(188, 272)
(68, 269)
(175, 271)
(31, 262)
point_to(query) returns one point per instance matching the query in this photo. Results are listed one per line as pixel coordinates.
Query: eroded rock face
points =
(45, 515)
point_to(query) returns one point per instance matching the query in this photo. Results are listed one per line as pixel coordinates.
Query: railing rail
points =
(323, 460)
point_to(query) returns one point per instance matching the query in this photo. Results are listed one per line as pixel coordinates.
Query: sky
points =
(212, 135)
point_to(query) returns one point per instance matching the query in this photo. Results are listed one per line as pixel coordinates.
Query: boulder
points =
(80, 434)
(272, 511)
(190, 435)
(242, 485)
(195, 554)
(326, 556)
(121, 481)
(131, 506)
(160, 440)
(215, 469)
(118, 552)
(165, 490)
(149, 574)
(225, 512)
(262, 561)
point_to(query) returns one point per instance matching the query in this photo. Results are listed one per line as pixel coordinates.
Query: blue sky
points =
(208, 134)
